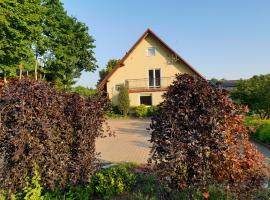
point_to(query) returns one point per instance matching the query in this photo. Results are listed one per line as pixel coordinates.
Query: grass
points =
(112, 115)
(262, 127)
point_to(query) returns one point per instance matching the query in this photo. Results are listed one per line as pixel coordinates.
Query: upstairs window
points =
(151, 51)
(154, 78)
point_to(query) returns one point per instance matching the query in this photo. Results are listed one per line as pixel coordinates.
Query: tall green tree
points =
(84, 91)
(109, 67)
(213, 81)
(123, 100)
(19, 21)
(40, 32)
(255, 93)
(71, 47)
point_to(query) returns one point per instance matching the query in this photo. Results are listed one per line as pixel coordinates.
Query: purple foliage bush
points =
(50, 129)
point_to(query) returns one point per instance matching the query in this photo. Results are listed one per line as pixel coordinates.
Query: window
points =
(151, 51)
(117, 87)
(146, 99)
(154, 78)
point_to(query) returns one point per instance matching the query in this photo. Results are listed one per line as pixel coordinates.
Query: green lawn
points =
(262, 127)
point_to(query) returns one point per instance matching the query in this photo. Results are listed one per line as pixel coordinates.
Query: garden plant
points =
(49, 130)
(199, 139)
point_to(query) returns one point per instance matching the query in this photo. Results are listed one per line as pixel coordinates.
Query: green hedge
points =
(140, 111)
(109, 182)
(262, 129)
(143, 111)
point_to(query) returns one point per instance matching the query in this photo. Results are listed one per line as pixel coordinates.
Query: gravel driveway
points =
(131, 142)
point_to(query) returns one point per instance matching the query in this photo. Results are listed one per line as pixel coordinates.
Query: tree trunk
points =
(36, 68)
(21, 70)
(5, 78)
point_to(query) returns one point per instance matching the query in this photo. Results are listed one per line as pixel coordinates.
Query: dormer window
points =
(151, 51)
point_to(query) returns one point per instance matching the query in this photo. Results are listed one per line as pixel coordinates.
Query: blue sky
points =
(222, 39)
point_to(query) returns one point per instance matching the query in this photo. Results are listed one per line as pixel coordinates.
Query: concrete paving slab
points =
(130, 143)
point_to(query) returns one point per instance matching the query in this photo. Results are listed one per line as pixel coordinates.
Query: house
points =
(147, 69)
(229, 85)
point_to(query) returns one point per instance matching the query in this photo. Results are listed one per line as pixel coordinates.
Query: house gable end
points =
(162, 48)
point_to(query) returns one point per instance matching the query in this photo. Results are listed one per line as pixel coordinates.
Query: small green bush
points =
(112, 181)
(151, 111)
(123, 100)
(70, 193)
(2, 195)
(149, 183)
(262, 129)
(114, 113)
(263, 133)
(256, 122)
(32, 191)
(33, 188)
(141, 111)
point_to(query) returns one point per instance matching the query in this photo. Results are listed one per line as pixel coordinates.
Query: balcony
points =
(152, 84)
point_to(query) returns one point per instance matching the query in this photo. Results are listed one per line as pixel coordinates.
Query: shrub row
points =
(48, 129)
(126, 180)
(112, 181)
(140, 111)
(143, 111)
(105, 184)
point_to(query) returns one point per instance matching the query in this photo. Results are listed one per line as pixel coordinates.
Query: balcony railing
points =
(152, 83)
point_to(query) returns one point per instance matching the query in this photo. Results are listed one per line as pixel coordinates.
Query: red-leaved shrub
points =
(198, 139)
(51, 129)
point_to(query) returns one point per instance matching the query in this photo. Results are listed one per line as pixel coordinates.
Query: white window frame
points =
(154, 69)
(148, 51)
(116, 87)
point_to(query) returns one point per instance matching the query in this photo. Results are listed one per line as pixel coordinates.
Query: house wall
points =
(135, 98)
(137, 64)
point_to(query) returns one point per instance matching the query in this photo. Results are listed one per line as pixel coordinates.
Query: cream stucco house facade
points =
(147, 69)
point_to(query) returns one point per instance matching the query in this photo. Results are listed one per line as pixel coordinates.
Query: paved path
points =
(131, 142)
(264, 150)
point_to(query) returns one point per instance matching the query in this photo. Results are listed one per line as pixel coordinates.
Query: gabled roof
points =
(121, 62)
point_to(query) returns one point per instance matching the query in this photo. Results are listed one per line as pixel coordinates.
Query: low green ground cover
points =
(123, 181)
(141, 111)
(262, 127)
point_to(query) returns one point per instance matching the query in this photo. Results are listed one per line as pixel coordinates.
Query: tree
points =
(123, 100)
(199, 139)
(84, 91)
(213, 81)
(15, 27)
(71, 47)
(35, 32)
(109, 67)
(255, 93)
